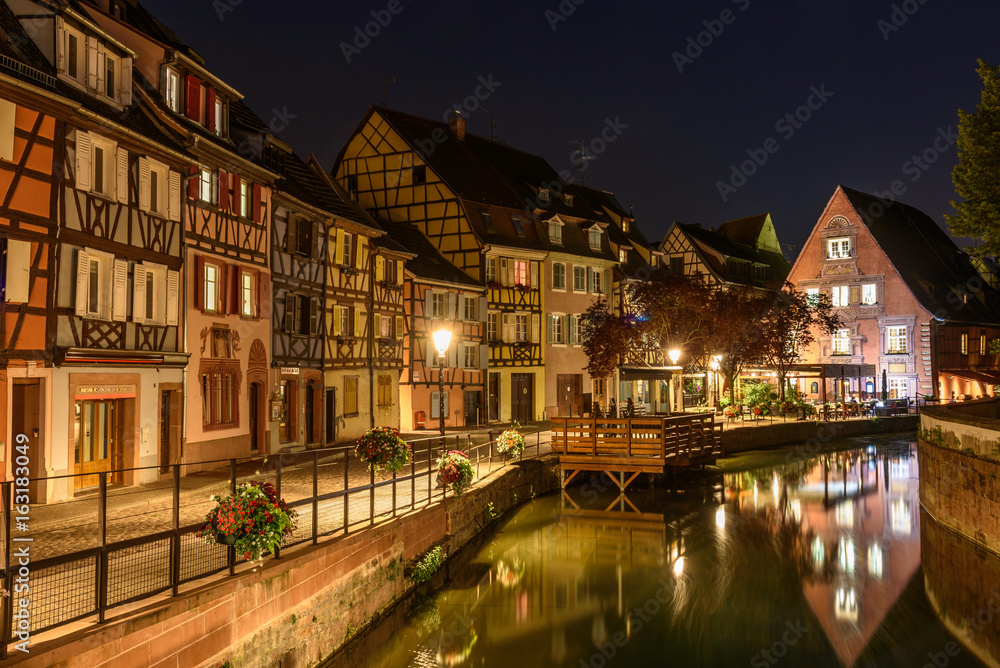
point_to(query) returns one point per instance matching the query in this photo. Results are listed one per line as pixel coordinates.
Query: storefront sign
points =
(289, 371)
(105, 392)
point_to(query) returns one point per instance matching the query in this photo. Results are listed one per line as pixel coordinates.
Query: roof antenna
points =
(583, 158)
(494, 128)
(385, 90)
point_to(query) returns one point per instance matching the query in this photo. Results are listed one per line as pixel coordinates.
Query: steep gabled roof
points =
(745, 231)
(927, 259)
(428, 263)
(720, 243)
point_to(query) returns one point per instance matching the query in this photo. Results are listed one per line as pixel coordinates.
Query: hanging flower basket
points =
(455, 469)
(253, 520)
(383, 450)
(511, 442)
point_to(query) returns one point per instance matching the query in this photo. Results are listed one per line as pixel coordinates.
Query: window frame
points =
(248, 283)
(493, 326)
(812, 297)
(896, 340)
(471, 354)
(109, 166)
(351, 391)
(869, 291)
(172, 89)
(835, 248)
(594, 238)
(555, 232)
(840, 296)
(217, 286)
(841, 342)
(559, 272)
(208, 186)
(385, 389)
(521, 328)
(522, 272)
(580, 279)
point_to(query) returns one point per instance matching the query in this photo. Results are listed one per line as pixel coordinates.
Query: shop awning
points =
(646, 372)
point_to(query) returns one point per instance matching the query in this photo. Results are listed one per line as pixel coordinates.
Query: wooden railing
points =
(635, 444)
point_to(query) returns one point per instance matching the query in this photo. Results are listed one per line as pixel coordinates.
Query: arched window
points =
(814, 388)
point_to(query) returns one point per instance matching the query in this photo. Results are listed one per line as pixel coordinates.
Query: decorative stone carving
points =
(839, 221)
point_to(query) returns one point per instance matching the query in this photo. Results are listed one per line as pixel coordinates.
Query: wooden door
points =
(471, 408)
(331, 416)
(569, 390)
(164, 432)
(521, 398)
(310, 418)
(494, 397)
(97, 441)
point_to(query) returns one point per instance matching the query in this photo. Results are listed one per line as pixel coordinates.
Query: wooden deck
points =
(635, 445)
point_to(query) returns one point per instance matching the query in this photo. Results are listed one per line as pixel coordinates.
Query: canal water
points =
(778, 558)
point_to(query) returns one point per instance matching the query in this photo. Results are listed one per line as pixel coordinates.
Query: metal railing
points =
(83, 557)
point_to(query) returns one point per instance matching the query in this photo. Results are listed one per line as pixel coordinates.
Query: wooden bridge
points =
(635, 445)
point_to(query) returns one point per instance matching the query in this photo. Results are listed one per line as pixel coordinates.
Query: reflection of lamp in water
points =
(720, 517)
(679, 566)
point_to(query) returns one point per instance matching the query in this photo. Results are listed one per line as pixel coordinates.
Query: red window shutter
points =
(223, 190)
(210, 109)
(237, 202)
(194, 183)
(199, 282)
(264, 295)
(222, 288)
(255, 206)
(235, 303)
(193, 107)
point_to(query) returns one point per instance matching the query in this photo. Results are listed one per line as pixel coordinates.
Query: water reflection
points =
(810, 562)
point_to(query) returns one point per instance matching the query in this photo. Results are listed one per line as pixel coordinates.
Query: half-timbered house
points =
(910, 302)
(489, 209)
(115, 313)
(439, 295)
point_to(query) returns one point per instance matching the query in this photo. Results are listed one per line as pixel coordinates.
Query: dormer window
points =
(568, 199)
(518, 228)
(488, 222)
(74, 62)
(543, 195)
(622, 255)
(595, 237)
(89, 63)
(625, 225)
(172, 90)
(838, 249)
(218, 114)
(555, 232)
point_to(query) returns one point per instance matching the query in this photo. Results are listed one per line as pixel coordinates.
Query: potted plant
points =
(252, 519)
(455, 469)
(511, 441)
(732, 411)
(383, 449)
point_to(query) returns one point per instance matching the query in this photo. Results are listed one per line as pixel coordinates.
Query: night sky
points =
(891, 77)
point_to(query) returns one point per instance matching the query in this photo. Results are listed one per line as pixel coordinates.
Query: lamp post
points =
(715, 379)
(442, 338)
(675, 355)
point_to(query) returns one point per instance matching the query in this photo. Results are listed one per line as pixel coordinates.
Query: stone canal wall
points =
(740, 439)
(974, 424)
(294, 611)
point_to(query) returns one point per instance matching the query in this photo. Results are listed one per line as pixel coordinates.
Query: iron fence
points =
(119, 545)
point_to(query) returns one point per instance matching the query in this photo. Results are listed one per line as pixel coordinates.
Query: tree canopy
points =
(977, 174)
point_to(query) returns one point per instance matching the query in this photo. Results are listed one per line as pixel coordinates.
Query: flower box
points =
(455, 470)
(252, 519)
(383, 450)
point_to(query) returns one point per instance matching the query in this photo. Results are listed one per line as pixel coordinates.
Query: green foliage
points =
(994, 346)
(392, 570)
(294, 618)
(877, 423)
(976, 174)
(455, 469)
(489, 513)
(606, 338)
(383, 449)
(425, 568)
(253, 518)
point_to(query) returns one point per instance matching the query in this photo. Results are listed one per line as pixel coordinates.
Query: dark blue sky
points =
(889, 89)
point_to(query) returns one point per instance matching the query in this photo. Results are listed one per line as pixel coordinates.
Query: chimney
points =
(457, 125)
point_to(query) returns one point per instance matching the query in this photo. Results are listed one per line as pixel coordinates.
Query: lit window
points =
(209, 184)
(219, 118)
(172, 90)
(812, 296)
(211, 285)
(558, 276)
(875, 561)
(839, 295)
(622, 255)
(245, 193)
(521, 275)
(555, 232)
(846, 605)
(841, 342)
(868, 294)
(902, 520)
(838, 249)
(246, 294)
(846, 554)
(965, 344)
(982, 343)
(897, 340)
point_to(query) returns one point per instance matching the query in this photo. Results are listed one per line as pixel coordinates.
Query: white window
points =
(555, 231)
(219, 118)
(209, 186)
(543, 194)
(868, 294)
(172, 90)
(101, 285)
(841, 342)
(899, 388)
(247, 301)
(579, 279)
(558, 276)
(345, 249)
(622, 255)
(211, 284)
(159, 189)
(597, 282)
(897, 340)
(471, 356)
(521, 327)
(101, 166)
(74, 63)
(838, 249)
(438, 304)
(491, 269)
(245, 197)
(812, 296)
(493, 327)
(345, 320)
(595, 237)
(470, 312)
(557, 329)
(577, 331)
(154, 294)
(839, 295)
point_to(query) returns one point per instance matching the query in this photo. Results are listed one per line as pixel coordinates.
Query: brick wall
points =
(293, 611)
(971, 424)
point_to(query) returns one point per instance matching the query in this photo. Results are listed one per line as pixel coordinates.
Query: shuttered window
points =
(351, 395)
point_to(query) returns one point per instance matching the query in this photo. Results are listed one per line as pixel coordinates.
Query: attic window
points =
(352, 186)
(595, 237)
(622, 255)
(488, 222)
(568, 199)
(555, 232)
(838, 249)
(518, 228)
(543, 194)
(118, 10)
(625, 225)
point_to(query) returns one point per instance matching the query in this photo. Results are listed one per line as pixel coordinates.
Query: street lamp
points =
(714, 364)
(442, 338)
(675, 355)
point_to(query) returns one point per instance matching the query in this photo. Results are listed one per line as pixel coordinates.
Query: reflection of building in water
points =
(859, 516)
